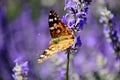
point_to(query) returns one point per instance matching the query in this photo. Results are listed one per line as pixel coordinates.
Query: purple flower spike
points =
(111, 34)
(76, 16)
(20, 70)
(77, 12)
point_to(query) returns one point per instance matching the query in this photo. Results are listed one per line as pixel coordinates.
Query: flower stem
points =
(67, 65)
(118, 69)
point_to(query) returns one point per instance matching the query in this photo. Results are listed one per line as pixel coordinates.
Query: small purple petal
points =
(18, 60)
(80, 14)
(85, 10)
(65, 18)
(70, 4)
(71, 23)
(80, 23)
(106, 31)
(24, 67)
(78, 43)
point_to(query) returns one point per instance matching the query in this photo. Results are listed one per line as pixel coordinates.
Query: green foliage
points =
(13, 9)
(35, 8)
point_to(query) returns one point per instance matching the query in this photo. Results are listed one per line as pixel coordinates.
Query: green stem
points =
(67, 65)
(118, 69)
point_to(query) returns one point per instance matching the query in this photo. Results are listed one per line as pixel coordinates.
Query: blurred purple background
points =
(24, 33)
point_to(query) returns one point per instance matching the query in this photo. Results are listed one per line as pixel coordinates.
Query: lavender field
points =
(25, 35)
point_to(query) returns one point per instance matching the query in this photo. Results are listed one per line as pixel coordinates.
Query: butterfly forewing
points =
(57, 27)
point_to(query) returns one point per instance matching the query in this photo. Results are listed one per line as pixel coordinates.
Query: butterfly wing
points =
(54, 48)
(57, 27)
(62, 37)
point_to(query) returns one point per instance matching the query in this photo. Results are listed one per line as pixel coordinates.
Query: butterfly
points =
(62, 37)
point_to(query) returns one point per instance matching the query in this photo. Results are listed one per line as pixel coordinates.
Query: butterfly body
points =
(62, 37)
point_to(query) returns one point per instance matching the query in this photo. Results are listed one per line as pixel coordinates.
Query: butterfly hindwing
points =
(54, 48)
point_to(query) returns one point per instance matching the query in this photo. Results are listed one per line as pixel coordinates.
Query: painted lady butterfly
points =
(62, 36)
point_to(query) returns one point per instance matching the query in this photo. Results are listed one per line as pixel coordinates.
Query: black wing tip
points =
(52, 11)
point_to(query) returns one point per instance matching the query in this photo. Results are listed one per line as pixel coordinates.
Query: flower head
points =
(77, 10)
(76, 16)
(20, 70)
(71, 4)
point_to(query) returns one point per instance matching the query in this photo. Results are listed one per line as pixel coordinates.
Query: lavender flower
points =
(20, 70)
(77, 10)
(111, 34)
(75, 19)
(76, 16)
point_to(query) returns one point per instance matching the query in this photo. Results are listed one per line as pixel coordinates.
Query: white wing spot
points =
(55, 18)
(42, 56)
(51, 28)
(50, 14)
(50, 20)
(46, 50)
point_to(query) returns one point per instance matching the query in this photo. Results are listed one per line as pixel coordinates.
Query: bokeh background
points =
(24, 33)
